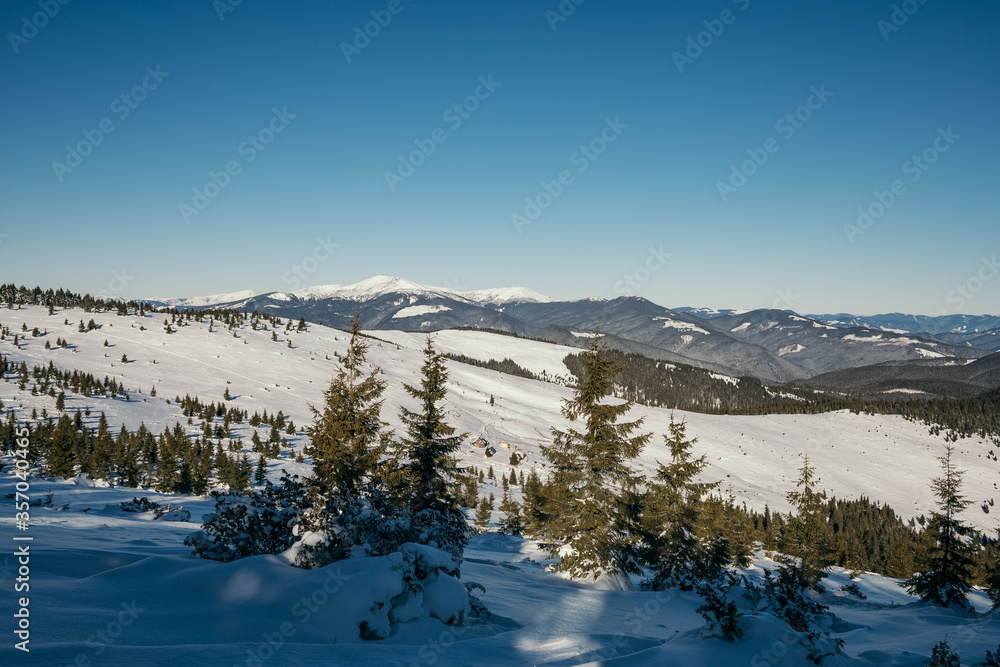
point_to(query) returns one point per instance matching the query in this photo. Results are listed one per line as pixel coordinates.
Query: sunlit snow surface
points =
(99, 572)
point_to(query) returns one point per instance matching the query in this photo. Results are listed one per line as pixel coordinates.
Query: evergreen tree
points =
(470, 492)
(60, 460)
(943, 656)
(428, 449)
(348, 437)
(483, 513)
(102, 458)
(671, 513)
(587, 510)
(945, 566)
(991, 572)
(260, 474)
(806, 537)
(511, 523)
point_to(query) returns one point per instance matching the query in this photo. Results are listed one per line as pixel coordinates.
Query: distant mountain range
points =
(938, 377)
(962, 327)
(772, 345)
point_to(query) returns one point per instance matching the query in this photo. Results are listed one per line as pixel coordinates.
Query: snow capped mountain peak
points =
(372, 288)
(197, 301)
(500, 295)
(376, 286)
(364, 290)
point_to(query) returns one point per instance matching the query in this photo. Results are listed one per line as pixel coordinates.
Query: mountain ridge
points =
(772, 345)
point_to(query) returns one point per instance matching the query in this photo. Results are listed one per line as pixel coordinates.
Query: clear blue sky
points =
(656, 185)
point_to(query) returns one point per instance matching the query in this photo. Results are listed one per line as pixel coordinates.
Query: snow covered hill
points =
(883, 457)
(100, 572)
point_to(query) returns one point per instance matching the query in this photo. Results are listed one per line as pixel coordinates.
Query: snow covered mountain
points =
(366, 290)
(905, 323)
(772, 345)
(818, 348)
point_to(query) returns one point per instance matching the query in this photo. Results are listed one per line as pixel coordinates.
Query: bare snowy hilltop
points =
(114, 581)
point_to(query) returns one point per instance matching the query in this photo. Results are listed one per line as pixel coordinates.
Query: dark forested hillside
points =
(680, 386)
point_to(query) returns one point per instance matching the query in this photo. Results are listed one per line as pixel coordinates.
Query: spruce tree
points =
(671, 513)
(430, 443)
(991, 572)
(586, 512)
(945, 568)
(483, 513)
(60, 460)
(260, 474)
(806, 537)
(511, 523)
(348, 437)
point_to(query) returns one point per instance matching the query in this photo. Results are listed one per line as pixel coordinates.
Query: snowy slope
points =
(117, 588)
(883, 457)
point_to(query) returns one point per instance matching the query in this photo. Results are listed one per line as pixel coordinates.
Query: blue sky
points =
(311, 128)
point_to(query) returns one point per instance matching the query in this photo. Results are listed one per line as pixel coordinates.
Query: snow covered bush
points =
(943, 656)
(171, 513)
(992, 659)
(786, 596)
(721, 615)
(446, 531)
(853, 589)
(416, 582)
(331, 530)
(143, 504)
(250, 523)
(366, 527)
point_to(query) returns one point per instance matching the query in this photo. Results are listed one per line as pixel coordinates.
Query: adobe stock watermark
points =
(633, 623)
(363, 36)
(697, 43)
(784, 299)
(122, 107)
(901, 13)
(965, 292)
(453, 116)
(562, 12)
(298, 273)
(631, 282)
(581, 159)
(104, 637)
(248, 149)
(223, 7)
(455, 284)
(119, 281)
(786, 126)
(30, 25)
(302, 611)
(915, 167)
